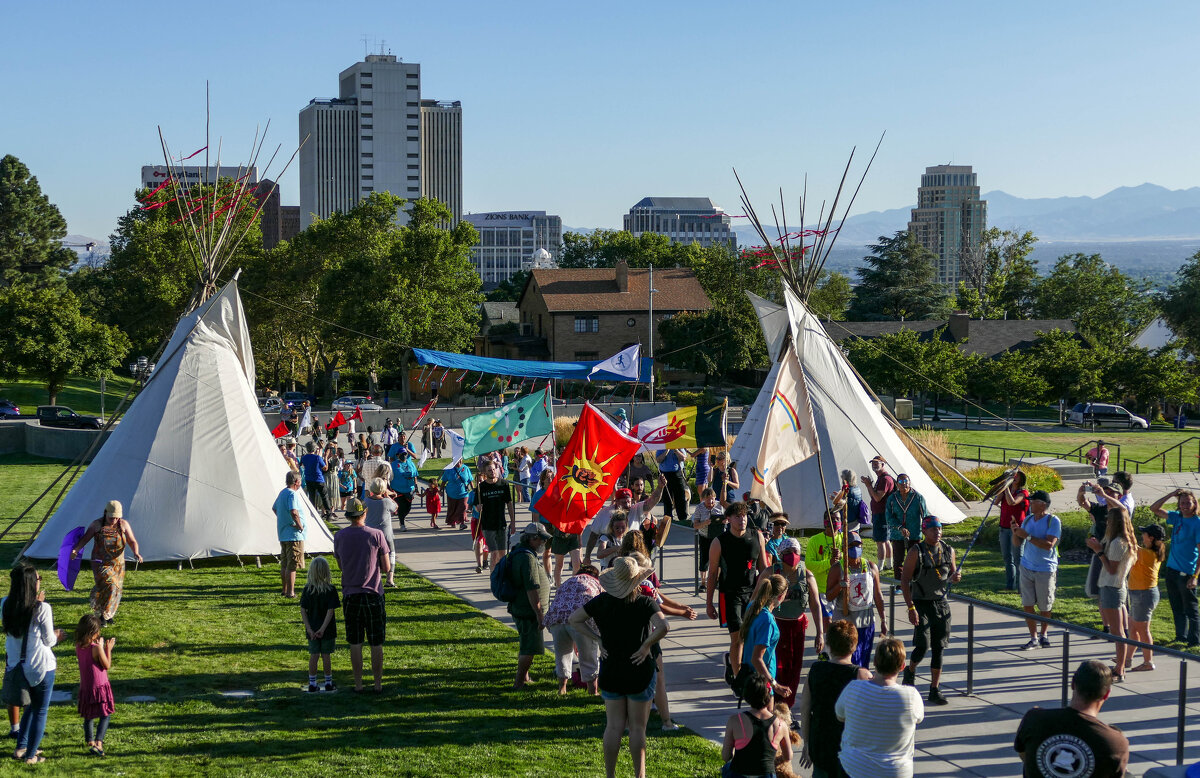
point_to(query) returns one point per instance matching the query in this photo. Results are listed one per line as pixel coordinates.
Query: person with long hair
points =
(1183, 564)
(96, 703)
(112, 534)
(1117, 552)
(792, 617)
(820, 730)
(29, 639)
(759, 633)
(1143, 589)
(318, 602)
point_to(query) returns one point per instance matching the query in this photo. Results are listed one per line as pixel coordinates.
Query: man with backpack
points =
(520, 580)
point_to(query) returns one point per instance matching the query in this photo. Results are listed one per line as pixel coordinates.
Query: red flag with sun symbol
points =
(587, 472)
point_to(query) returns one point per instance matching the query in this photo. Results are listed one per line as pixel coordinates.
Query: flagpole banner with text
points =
(587, 471)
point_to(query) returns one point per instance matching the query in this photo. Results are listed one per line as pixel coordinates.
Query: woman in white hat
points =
(630, 625)
(112, 534)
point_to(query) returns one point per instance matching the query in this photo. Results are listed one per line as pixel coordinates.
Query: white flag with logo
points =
(306, 422)
(789, 435)
(623, 363)
(456, 444)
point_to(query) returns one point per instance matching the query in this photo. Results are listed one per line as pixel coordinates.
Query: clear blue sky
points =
(582, 109)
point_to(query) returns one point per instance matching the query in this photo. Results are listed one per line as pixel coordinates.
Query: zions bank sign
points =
(154, 175)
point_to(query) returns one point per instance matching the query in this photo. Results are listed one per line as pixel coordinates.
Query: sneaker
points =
(313, 688)
(479, 568)
(936, 697)
(1032, 644)
(462, 525)
(728, 670)
(329, 687)
(486, 562)
(1044, 641)
(910, 678)
(14, 733)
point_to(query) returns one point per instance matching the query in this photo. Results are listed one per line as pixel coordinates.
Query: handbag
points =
(15, 690)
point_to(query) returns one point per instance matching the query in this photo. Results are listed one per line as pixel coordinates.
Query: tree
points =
(603, 248)
(1108, 307)
(1010, 378)
(903, 364)
(31, 229)
(898, 283)
(715, 342)
(1180, 303)
(509, 290)
(47, 336)
(1151, 379)
(831, 296)
(1067, 367)
(997, 279)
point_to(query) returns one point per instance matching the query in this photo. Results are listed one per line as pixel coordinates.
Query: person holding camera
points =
(1039, 534)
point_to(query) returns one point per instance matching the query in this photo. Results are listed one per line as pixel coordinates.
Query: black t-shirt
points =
(316, 605)
(826, 680)
(739, 561)
(624, 626)
(1064, 741)
(491, 499)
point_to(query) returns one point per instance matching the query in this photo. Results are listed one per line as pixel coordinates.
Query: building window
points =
(412, 75)
(414, 167)
(414, 127)
(414, 178)
(368, 126)
(367, 167)
(368, 178)
(587, 323)
(365, 115)
(364, 85)
(368, 189)
(413, 156)
(365, 102)
(367, 155)
(364, 75)
(414, 87)
(414, 105)
(587, 356)
(368, 137)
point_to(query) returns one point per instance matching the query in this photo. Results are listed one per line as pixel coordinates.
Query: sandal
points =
(96, 751)
(1143, 667)
(35, 760)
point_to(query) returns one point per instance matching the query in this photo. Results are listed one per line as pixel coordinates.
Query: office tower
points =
(441, 154)
(510, 241)
(682, 219)
(369, 139)
(949, 219)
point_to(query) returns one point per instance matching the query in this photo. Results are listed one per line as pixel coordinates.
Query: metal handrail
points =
(1163, 455)
(1004, 451)
(1067, 628)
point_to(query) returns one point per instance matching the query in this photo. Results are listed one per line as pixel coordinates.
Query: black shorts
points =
(563, 544)
(732, 607)
(364, 614)
(933, 620)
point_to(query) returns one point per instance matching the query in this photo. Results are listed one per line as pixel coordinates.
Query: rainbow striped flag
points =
(789, 435)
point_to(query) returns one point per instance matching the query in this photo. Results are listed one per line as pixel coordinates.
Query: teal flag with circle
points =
(524, 418)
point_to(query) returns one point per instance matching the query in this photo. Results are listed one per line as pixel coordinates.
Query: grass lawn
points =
(983, 573)
(80, 394)
(185, 636)
(1133, 445)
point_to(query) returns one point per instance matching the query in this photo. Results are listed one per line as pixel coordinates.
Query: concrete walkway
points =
(970, 736)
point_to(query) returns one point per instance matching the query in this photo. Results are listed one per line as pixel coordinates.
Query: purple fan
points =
(68, 568)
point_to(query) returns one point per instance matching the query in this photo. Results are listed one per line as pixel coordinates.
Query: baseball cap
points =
(355, 507)
(853, 539)
(930, 522)
(780, 520)
(534, 528)
(1040, 494)
(1155, 531)
(624, 493)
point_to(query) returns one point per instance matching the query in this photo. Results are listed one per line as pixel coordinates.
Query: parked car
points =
(355, 393)
(270, 404)
(9, 409)
(292, 399)
(1105, 415)
(62, 416)
(355, 401)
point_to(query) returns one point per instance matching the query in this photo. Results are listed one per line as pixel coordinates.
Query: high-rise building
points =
(369, 139)
(949, 219)
(441, 153)
(289, 221)
(682, 219)
(512, 241)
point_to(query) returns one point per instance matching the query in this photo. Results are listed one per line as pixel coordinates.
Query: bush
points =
(688, 397)
(937, 441)
(564, 426)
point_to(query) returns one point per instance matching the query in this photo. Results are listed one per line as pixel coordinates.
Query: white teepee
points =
(191, 461)
(850, 428)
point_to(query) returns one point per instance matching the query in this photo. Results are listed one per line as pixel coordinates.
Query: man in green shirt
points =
(529, 607)
(818, 553)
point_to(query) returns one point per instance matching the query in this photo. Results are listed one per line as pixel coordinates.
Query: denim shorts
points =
(1112, 597)
(1142, 603)
(645, 695)
(878, 528)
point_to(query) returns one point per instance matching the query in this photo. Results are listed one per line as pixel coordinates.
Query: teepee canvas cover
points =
(191, 461)
(851, 429)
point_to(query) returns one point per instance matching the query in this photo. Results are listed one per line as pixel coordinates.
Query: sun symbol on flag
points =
(585, 475)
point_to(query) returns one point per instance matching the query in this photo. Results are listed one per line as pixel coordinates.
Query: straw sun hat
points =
(623, 577)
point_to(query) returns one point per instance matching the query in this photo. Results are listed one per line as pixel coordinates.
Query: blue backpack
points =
(503, 588)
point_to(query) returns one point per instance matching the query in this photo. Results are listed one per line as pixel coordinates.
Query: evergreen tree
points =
(898, 282)
(1181, 304)
(31, 229)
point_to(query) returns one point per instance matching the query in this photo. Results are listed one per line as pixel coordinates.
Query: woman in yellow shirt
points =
(1143, 588)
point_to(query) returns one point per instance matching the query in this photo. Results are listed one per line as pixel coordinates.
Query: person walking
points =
(864, 596)
(1143, 589)
(703, 471)
(381, 510)
(670, 465)
(759, 635)
(493, 496)
(1117, 552)
(818, 554)
(878, 493)
(1073, 740)
(903, 513)
(734, 561)
(1014, 507)
(630, 624)
(927, 569)
(849, 500)
(315, 467)
(1039, 535)
(438, 433)
(1183, 564)
(523, 463)
(459, 484)
(29, 639)
(112, 534)
(1097, 457)
(792, 617)
(709, 522)
(404, 485)
(570, 596)
(528, 608)
(755, 737)
(820, 729)
(881, 718)
(362, 555)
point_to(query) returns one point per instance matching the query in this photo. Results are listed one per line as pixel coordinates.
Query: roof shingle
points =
(595, 289)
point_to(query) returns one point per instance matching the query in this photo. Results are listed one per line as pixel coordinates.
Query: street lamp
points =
(652, 291)
(141, 369)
